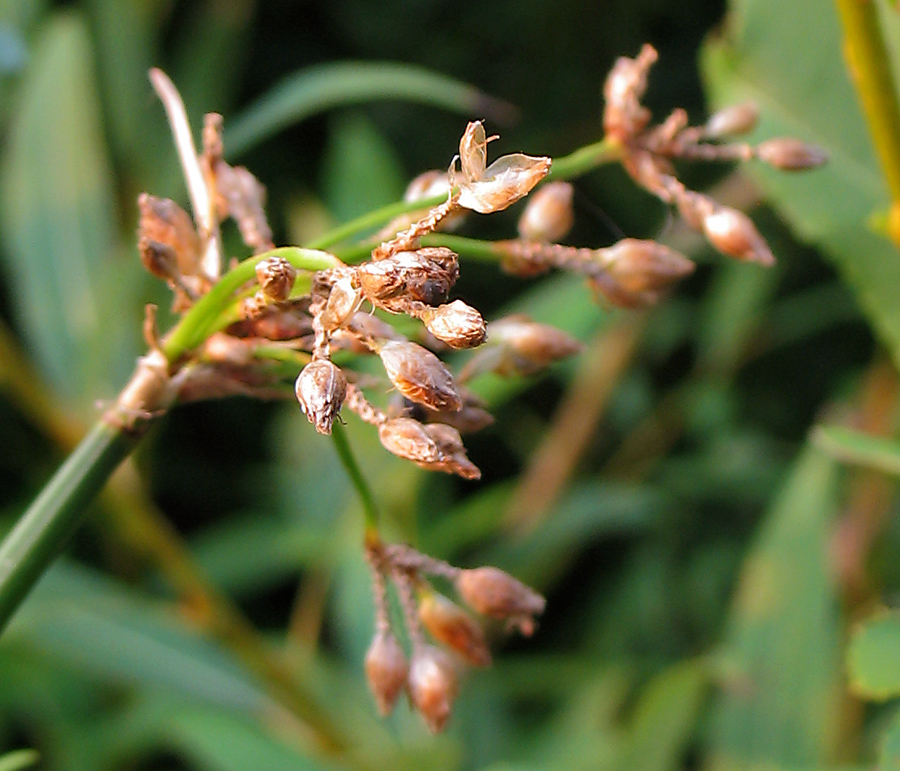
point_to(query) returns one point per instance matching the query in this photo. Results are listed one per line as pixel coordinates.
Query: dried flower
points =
(433, 686)
(276, 277)
(637, 270)
(425, 275)
(548, 216)
(733, 233)
(386, 670)
(732, 121)
(407, 438)
(495, 187)
(623, 115)
(344, 298)
(321, 388)
(453, 458)
(449, 624)
(788, 154)
(456, 324)
(492, 592)
(419, 375)
(528, 346)
(167, 240)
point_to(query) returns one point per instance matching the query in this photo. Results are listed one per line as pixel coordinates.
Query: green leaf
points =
(14, 761)
(321, 88)
(756, 60)
(665, 717)
(780, 659)
(56, 210)
(873, 659)
(361, 171)
(858, 448)
(223, 741)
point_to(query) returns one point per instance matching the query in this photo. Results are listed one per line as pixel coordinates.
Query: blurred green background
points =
(704, 562)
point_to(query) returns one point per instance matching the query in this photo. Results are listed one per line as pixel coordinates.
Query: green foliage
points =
(703, 558)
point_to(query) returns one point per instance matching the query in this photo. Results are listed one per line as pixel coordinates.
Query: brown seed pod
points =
(456, 324)
(732, 121)
(449, 624)
(386, 670)
(433, 686)
(453, 458)
(529, 346)
(419, 375)
(548, 215)
(493, 592)
(276, 277)
(425, 275)
(407, 438)
(733, 233)
(788, 154)
(167, 240)
(321, 388)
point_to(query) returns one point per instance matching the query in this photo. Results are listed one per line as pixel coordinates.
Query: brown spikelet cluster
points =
(289, 321)
(444, 639)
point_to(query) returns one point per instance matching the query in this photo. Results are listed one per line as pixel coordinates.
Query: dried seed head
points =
(321, 388)
(733, 233)
(386, 670)
(694, 207)
(495, 187)
(453, 458)
(528, 345)
(624, 116)
(407, 438)
(343, 300)
(492, 592)
(732, 121)
(425, 275)
(167, 240)
(276, 277)
(433, 686)
(419, 375)
(449, 624)
(639, 270)
(456, 324)
(790, 154)
(549, 214)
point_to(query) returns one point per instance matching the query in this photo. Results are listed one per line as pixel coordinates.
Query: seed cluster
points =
(317, 321)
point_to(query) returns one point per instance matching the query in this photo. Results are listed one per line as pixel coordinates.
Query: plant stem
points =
(584, 159)
(39, 535)
(870, 67)
(348, 461)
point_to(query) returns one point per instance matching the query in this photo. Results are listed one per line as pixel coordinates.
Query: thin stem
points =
(584, 159)
(870, 67)
(39, 535)
(348, 461)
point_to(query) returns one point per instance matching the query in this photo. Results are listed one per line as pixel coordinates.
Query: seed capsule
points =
(419, 375)
(343, 300)
(732, 121)
(733, 233)
(321, 388)
(790, 154)
(449, 624)
(456, 324)
(386, 670)
(407, 438)
(425, 275)
(549, 214)
(167, 239)
(433, 686)
(528, 345)
(276, 277)
(453, 458)
(639, 270)
(492, 592)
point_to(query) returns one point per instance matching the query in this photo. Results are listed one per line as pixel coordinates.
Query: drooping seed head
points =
(548, 215)
(433, 686)
(407, 438)
(386, 670)
(733, 233)
(276, 277)
(449, 624)
(456, 324)
(321, 388)
(731, 121)
(788, 154)
(493, 592)
(419, 375)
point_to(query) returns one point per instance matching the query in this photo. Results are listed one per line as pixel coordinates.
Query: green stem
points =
(39, 535)
(348, 461)
(210, 311)
(584, 159)
(870, 67)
